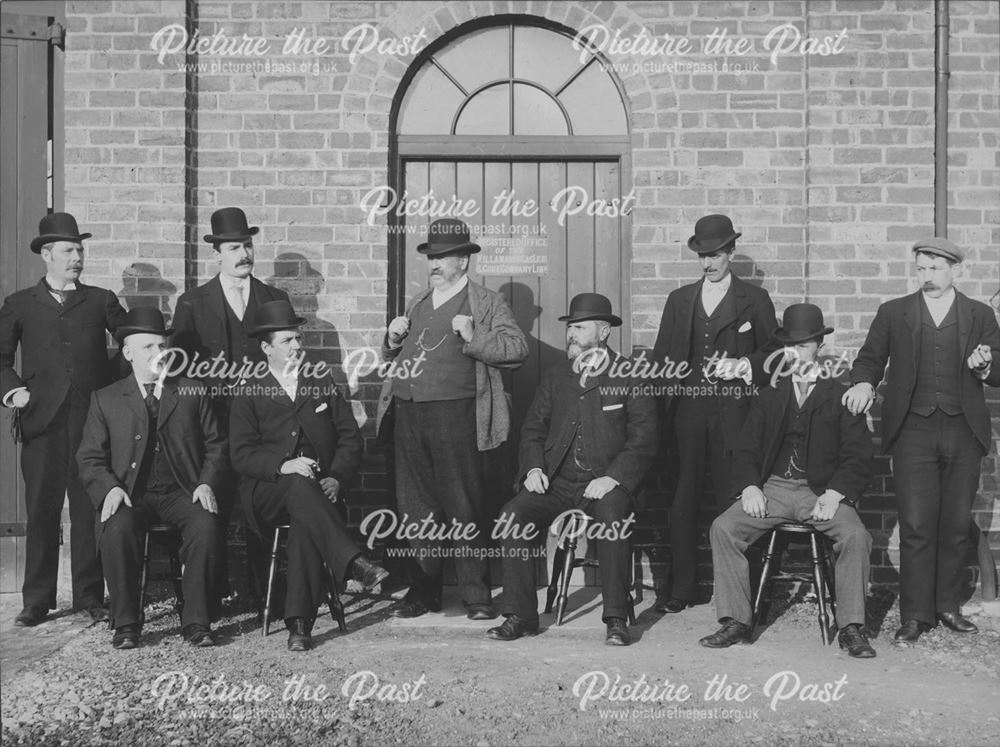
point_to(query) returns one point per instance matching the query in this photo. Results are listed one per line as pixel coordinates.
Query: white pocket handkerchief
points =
(619, 406)
(321, 407)
(745, 327)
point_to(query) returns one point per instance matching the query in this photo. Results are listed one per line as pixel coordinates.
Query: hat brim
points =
(275, 327)
(213, 239)
(434, 250)
(614, 321)
(39, 241)
(716, 244)
(938, 252)
(122, 332)
(794, 337)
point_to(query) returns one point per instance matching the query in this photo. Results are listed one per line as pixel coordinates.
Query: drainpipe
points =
(941, 74)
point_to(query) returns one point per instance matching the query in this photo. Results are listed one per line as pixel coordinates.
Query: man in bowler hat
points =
(296, 445)
(152, 452)
(587, 442)
(721, 327)
(463, 335)
(59, 325)
(801, 456)
(212, 323)
(944, 348)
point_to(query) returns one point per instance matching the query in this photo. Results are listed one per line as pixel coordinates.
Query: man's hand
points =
(204, 495)
(399, 328)
(331, 487)
(859, 398)
(299, 466)
(728, 369)
(826, 506)
(462, 324)
(536, 481)
(20, 399)
(600, 487)
(980, 359)
(754, 502)
(113, 501)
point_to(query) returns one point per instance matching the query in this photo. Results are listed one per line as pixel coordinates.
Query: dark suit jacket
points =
(895, 336)
(117, 428)
(618, 419)
(200, 319)
(838, 445)
(264, 427)
(61, 346)
(752, 311)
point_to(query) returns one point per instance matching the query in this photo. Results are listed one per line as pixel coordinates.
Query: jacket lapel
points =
(964, 311)
(687, 301)
(732, 304)
(136, 403)
(278, 393)
(168, 403)
(42, 295)
(214, 298)
(911, 315)
(75, 299)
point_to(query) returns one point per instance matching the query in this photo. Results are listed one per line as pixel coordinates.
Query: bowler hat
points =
(590, 306)
(801, 322)
(448, 235)
(941, 247)
(57, 227)
(143, 319)
(230, 224)
(712, 233)
(272, 316)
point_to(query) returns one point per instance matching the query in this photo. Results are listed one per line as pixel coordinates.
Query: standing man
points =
(60, 326)
(212, 323)
(152, 452)
(801, 456)
(587, 442)
(943, 347)
(461, 336)
(721, 327)
(296, 445)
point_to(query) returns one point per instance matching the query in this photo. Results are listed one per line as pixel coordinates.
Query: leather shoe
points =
(853, 640)
(407, 608)
(480, 611)
(299, 634)
(672, 606)
(367, 573)
(29, 617)
(958, 622)
(98, 613)
(199, 635)
(731, 632)
(911, 630)
(617, 634)
(126, 637)
(512, 628)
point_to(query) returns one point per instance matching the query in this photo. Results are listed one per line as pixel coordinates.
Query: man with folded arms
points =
(943, 347)
(295, 444)
(587, 442)
(152, 452)
(801, 456)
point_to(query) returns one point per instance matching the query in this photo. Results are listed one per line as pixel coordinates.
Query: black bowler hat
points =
(801, 322)
(448, 235)
(590, 306)
(230, 224)
(272, 316)
(57, 227)
(712, 233)
(143, 319)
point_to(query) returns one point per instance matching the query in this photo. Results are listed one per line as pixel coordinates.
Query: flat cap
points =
(941, 247)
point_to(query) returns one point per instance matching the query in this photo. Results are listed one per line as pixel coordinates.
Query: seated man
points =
(586, 444)
(295, 443)
(802, 457)
(152, 452)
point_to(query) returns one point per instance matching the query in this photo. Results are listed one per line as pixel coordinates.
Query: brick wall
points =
(824, 163)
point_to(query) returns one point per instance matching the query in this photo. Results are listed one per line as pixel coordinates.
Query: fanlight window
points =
(512, 80)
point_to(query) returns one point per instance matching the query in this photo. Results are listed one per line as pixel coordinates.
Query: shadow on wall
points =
(143, 285)
(294, 274)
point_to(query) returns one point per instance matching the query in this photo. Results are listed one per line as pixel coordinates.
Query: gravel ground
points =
(448, 685)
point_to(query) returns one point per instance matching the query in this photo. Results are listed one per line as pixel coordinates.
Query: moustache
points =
(245, 262)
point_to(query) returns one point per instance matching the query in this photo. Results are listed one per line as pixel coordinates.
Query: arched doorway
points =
(498, 115)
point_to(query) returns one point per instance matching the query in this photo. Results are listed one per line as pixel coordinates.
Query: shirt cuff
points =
(981, 375)
(747, 370)
(9, 396)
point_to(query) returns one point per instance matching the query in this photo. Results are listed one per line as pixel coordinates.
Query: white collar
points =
(157, 388)
(944, 302)
(231, 282)
(718, 288)
(69, 285)
(439, 297)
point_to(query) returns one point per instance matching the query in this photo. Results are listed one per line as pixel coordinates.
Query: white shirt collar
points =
(157, 389)
(69, 285)
(230, 282)
(944, 302)
(439, 297)
(291, 386)
(721, 287)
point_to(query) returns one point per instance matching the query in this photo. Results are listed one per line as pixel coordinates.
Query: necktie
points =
(802, 388)
(151, 403)
(237, 302)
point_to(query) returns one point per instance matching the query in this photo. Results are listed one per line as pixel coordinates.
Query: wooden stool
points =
(171, 537)
(822, 573)
(563, 563)
(336, 606)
